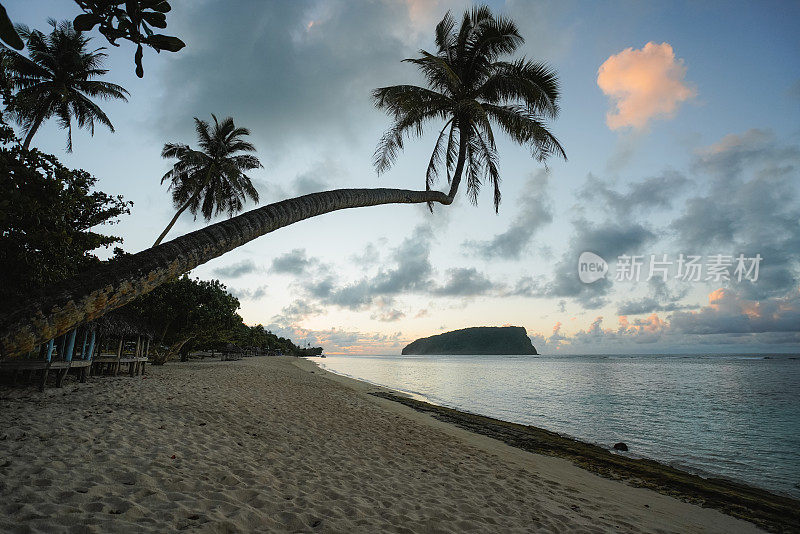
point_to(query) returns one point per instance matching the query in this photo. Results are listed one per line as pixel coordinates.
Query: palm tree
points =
(470, 89)
(114, 284)
(58, 80)
(212, 179)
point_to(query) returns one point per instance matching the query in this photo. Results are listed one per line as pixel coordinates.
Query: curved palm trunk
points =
(172, 223)
(183, 208)
(114, 284)
(459, 170)
(34, 127)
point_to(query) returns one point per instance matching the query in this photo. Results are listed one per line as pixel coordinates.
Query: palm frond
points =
(526, 129)
(534, 84)
(470, 88)
(436, 157)
(438, 71)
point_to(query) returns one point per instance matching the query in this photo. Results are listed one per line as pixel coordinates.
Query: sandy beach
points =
(277, 445)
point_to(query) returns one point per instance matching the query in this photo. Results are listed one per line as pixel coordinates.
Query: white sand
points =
(264, 444)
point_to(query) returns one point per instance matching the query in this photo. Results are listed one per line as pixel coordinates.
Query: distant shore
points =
(274, 444)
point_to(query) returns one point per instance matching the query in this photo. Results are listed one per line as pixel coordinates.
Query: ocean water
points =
(732, 416)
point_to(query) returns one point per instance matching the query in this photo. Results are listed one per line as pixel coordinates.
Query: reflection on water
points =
(734, 416)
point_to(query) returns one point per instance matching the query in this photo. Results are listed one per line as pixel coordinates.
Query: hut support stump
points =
(61, 376)
(43, 382)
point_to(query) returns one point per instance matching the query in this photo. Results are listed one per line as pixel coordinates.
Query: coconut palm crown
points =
(471, 89)
(57, 80)
(211, 180)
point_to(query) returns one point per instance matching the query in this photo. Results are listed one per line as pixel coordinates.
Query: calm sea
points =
(735, 416)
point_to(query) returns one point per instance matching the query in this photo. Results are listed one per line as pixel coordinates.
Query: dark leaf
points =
(165, 42)
(162, 7)
(85, 22)
(138, 60)
(158, 20)
(7, 32)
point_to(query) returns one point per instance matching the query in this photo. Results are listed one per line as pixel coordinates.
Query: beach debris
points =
(620, 446)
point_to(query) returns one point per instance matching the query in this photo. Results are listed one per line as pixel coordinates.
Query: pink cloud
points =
(643, 84)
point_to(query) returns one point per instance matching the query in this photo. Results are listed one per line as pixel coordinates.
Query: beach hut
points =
(231, 352)
(123, 340)
(73, 350)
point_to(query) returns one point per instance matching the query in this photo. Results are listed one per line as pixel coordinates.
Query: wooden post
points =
(132, 365)
(70, 345)
(146, 355)
(44, 377)
(90, 354)
(50, 345)
(61, 376)
(119, 355)
(85, 339)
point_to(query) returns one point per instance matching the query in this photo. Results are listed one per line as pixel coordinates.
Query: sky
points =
(681, 123)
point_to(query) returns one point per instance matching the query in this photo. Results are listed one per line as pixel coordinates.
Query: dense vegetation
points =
(191, 314)
(47, 213)
(477, 340)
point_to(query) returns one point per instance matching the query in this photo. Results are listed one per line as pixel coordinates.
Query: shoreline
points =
(771, 511)
(275, 444)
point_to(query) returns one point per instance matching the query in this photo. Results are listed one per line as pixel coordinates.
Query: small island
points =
(491, 340)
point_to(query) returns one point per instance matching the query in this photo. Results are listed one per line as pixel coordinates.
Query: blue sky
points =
(715, 174)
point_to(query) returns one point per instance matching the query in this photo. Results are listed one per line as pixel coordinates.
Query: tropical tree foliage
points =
(7, 32)
(47, 216)
(130, 20)
(471, 89)
(57, 79)
(211, 180)
(191, 314)
(185, 313)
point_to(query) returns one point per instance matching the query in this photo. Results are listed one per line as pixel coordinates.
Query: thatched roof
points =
(120, 322)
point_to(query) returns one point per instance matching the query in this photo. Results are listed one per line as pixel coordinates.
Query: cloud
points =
(728, 319)
(407, 270)
(339, 341)
(656, 192)
(293, 262)
(236, 270)
(609, 239)
(749, 206)
(729, 313)
(249, 293)
(465, 282)
(535, 212)
(296, 311)
(643, 85)
(295, 73)
(317, 178)
(389, 316)
(660, 299)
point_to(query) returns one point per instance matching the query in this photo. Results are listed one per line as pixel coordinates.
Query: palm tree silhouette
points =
(470, 89)
(57, 80)
(211, 180)
(497, 90)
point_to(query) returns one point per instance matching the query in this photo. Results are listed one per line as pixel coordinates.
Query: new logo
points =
(591, 267)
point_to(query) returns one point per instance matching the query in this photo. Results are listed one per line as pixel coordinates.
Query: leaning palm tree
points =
(114, 284)
(57, 80)
(211, 180)
(470, 89)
